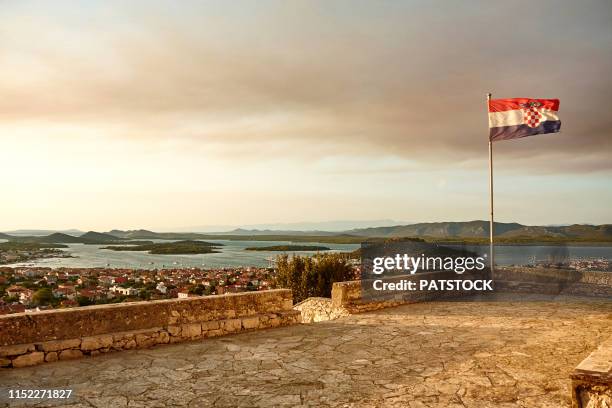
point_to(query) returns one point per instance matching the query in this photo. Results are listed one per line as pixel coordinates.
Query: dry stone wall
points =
(33, 338)
(554, 281)
(507, 279)
(319, 309)
(348, 295)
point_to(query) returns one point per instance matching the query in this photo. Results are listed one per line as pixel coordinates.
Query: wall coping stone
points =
(35, 338)
(78, 322)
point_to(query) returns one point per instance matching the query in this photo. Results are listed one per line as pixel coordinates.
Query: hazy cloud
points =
(360, 78)
(195, 110)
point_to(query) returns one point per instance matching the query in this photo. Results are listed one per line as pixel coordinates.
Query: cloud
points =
(313, 80)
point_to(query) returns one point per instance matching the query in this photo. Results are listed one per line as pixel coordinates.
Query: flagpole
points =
(491, 228)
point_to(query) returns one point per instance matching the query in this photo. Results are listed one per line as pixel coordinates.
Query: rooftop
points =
(437, 354)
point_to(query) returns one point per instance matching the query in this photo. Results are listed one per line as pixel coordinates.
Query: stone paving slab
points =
(440, 354)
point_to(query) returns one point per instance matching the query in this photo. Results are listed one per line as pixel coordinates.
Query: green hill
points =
(505, 231)
(288, 248)
(90, 237)
(438, 230)
(55, 238)
(28, 246)
(98, 238)
(470, 231)
(145, 234)
(170, 248)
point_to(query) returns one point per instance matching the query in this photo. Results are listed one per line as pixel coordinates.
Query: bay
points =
(234, 254)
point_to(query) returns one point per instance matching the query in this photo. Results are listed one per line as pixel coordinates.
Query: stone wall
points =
(554, 281)
(348, 295)
(592, 379)
(33, 338)
(319, 309)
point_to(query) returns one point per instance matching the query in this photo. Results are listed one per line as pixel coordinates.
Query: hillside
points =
(171, 248)
(139, 234)
(42, 232)
(480, 229)
(90, 237)
(98, 237)
(287, 248)
(28, 246)
(55, 238)
(474, 231)
(145, 234)
(264, 232)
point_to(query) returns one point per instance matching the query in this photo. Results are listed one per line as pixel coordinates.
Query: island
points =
(12, 252)
(170, 248)
(285, 248)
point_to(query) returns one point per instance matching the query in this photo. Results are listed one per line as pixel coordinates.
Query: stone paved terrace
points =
(439, 354)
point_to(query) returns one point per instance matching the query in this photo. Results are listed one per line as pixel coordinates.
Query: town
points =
(29, 289)
(578, 264)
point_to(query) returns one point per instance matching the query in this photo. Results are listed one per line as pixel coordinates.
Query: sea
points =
(234, 254)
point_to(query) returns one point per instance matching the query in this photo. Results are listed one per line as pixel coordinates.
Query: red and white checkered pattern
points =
(532, 117)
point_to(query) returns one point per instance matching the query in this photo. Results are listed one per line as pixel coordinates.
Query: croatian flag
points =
(520, 117)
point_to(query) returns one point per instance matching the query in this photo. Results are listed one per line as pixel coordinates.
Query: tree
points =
(11, 299)
(42, 296)
(311, 276)
(197, 289)
(84, 301)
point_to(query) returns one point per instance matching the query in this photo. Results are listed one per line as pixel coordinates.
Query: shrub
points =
(43, 297)
(311, 276)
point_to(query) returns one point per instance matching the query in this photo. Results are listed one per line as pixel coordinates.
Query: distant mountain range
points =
(90, 237)
(251, 232)
(146, 234)
(306, 227)
(437, 230)
(470, 230)
(42, 232)
(480, 229)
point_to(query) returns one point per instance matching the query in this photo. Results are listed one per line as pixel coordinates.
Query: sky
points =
(166, 115)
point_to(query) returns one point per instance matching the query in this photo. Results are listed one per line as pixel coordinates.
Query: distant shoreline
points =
(282, 248)
(529, 244)
(169, 248)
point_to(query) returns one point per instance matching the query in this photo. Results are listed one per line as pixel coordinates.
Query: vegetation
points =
(311, 276)
(171, 248)
(11, 252)
(458, 239)
(331, 239)
(135, 242)
(90, 237)
(201, 290)
(507, 232)
(472, 232)
(28, 246)
(286, 248)
(43, 297)
(522, 240)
